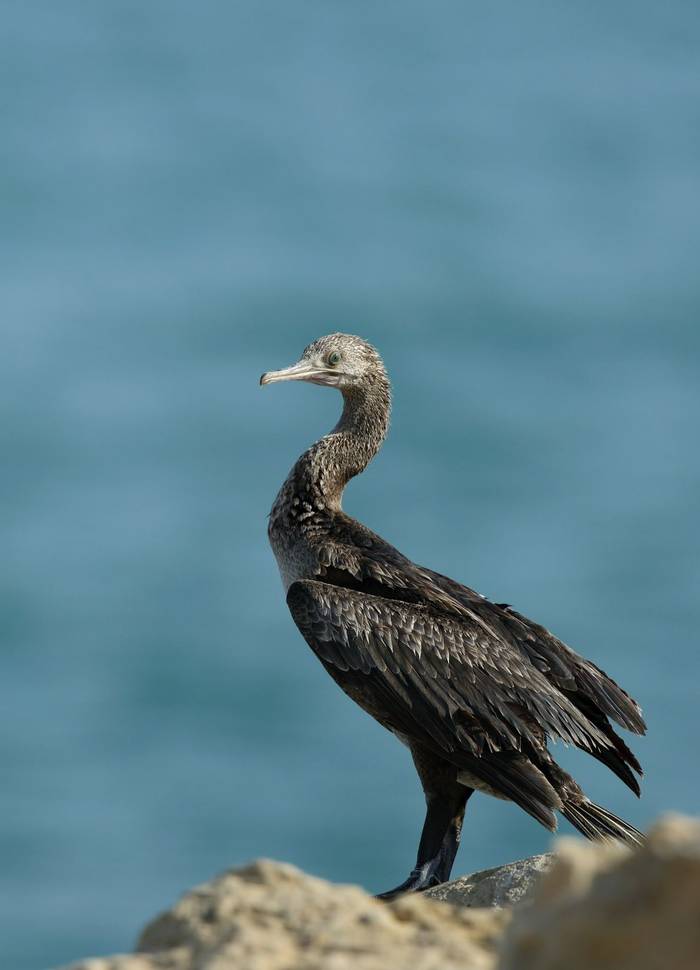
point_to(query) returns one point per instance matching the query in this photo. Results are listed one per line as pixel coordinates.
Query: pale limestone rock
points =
(602, 907)
(270, 916)
(502, 886)
(598, 907)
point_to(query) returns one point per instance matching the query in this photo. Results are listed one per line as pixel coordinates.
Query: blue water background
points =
(505, 199)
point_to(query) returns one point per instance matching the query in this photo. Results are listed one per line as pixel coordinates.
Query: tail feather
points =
(514, 777)
(598, 823)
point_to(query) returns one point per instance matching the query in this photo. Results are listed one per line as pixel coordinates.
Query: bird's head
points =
(339, 360)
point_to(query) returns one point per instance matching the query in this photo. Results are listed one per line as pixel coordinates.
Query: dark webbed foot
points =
(421, 878)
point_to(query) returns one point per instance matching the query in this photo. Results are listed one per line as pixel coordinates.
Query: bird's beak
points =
(303, 370)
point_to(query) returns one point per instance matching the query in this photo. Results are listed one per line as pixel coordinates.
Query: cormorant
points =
(473, 688)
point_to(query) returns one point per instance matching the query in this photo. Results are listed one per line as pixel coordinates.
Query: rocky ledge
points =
(586, 907)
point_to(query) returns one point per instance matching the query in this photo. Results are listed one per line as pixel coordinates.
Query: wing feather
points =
(360, 559)
(483, 657)
(438, 667)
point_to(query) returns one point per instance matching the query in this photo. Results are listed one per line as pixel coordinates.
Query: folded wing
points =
(447, 682)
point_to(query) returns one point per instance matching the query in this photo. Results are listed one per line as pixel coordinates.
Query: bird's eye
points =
(334, 358)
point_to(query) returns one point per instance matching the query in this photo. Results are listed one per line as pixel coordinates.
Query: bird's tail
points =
(599, 824)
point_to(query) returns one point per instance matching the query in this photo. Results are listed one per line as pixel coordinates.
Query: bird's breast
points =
(296, 556)
(295, 559)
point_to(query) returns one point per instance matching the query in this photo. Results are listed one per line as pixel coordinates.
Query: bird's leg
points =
(438, 843)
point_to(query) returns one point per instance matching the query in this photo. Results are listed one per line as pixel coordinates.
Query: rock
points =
(592, 907)
(270, 916)
(501, 886)
(604, 907)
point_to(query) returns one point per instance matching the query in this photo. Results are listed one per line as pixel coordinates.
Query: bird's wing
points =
(445, 682)
(589, 687)
(362, 560)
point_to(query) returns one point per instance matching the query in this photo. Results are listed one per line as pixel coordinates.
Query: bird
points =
(474, 689)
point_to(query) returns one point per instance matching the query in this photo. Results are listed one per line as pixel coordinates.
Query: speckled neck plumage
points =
(321, 473)
(313, 490)
(330, 463)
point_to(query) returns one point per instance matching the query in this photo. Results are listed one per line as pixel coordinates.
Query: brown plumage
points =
(473, 688)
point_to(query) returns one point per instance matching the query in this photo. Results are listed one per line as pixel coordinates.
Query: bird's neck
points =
(325, 469)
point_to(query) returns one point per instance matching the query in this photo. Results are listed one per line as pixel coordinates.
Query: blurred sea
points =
(505, 199)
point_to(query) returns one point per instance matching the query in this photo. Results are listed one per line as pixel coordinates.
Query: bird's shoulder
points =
(351, 555)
